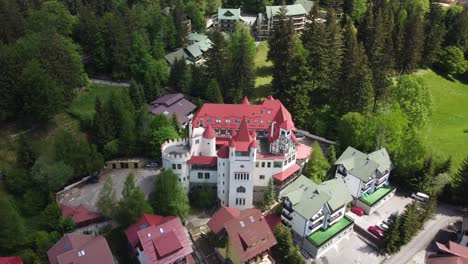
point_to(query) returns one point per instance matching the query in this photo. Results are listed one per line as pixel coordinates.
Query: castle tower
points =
(208, 142)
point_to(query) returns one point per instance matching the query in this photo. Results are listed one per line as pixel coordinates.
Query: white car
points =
(384, 227)
(420, 196)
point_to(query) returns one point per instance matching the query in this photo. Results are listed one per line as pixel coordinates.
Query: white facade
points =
(177, 160)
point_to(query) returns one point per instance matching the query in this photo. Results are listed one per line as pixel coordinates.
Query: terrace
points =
(376, 196)
(320, 237)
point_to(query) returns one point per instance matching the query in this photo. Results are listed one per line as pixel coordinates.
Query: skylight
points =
(251, 219)
(242, 223)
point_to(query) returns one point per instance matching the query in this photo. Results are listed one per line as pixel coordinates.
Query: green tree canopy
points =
(452, 61)
(318, 165)
(107, 201)
(133, 203)
(169, 197)
(51, 175)
(12, 229)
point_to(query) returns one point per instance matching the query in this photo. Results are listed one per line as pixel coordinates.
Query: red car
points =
(357, 210)
(376, 231)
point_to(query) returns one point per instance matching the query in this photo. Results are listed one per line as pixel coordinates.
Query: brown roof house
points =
(245, 236)
(171, 104)
(80, 249)
(452, 253)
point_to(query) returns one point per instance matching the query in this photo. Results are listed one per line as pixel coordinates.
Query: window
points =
(269, 122)
(263, 164)
(240, 189)
(228, 121)
(242, 154)
(285, 162)
(248, 121)
(208, 120)
(261, 112)
(262, 177)
(200, 175)
(197, 141)
(241, 176)
(173, 166)
(179, 166)
(240, 201)
(261, 122)
(200, 123)
(257, 164)
(179, 180)
(207, 175)
(268, 112)
(237, 121)
(268, 164)
(218, 120)
(242, 166)
(277, 164)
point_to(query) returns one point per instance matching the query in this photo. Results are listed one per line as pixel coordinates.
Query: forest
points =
(348, 77)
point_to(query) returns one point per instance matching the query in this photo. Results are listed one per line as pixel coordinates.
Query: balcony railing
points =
(334, 217)
(287, 216)
(315, 217)
(287, 208)
(311, 227)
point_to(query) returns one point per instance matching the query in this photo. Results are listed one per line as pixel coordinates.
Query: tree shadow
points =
(443, 236)
(463, 78)
(262, 91)
(264, 71)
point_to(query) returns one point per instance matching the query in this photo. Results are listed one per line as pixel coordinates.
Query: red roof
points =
(75, 248)
(209, 132)
(303, 151)
(245, 100)
(202, 160)
(454, 249)
(11, 260)
(273, 220)
(243, 140)
(249, 233)
(79, 214)
(145, 221)
(287, 173)
(446, 260)
(222, 216)
(223, 152)
(165, 243)
(257, 116)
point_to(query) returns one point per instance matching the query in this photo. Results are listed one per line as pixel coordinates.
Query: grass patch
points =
(376, 196)
(263, 72)
(118, 245)
(82, 107)
(444, 134)
(319, 237)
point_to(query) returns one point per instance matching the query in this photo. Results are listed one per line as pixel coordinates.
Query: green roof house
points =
(267, 20)
(366, 176)
(309, 208)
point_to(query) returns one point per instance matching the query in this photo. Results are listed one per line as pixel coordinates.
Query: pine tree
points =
(434, 33)
(169, 196)
(460, 184)
(180, 77)
(104, 128)
(135, 91)
(213, 92)
(107, 201)
(13, 24)
(392, 240)
(331, 154)
(13, 232)
(216, 60)
(318, 165)
(133, 203)
(269, 196)
(356, 93)
(25, 155)
(411, 223)
(280, 54)
(413, 41)
(242, 66)
(283, 249)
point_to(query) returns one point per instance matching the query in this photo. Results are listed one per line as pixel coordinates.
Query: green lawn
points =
(376, 196)
(82, 106)
(444, 133)
(263, 69)
(321, 236)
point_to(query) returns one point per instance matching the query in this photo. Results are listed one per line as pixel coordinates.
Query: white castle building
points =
(238, 148)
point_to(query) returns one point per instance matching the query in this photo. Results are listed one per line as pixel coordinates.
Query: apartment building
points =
(267, 21)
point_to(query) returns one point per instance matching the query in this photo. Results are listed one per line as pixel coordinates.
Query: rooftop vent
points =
(242, 223)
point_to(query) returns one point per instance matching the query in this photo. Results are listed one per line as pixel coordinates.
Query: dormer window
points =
(248, 121)
(208, 120)
(218, 120)
(261, 112)
(200, 122)
(237, 121)
(268, 112)
(228, 121)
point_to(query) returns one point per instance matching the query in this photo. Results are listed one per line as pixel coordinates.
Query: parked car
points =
(420, 196)
(383, 226)
(299, 134)
(376, 231)
(357, 210)
(152, 165)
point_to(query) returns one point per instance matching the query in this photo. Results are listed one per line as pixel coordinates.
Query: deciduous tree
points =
(169, 196)
(107, 201)
(133, 203)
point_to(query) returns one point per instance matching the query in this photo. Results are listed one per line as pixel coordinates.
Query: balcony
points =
(312, 227)
(287, 208)
(365, 188)
(286, 215)
(335, 217)
(342, 173)
(383, 175)
(317, 216)
(381, 182)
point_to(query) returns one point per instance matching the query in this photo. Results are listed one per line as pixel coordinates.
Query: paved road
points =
(98, 81)
(445, 214)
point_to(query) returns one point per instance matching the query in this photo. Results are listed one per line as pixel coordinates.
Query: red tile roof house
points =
(80, 215)
(11, 260)
(80, 249)
(159, 240)
(249, 237)
(171, 104)
(452, 253)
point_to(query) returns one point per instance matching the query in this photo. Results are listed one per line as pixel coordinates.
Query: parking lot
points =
(396, 204)
(354, 249)
(88, 194)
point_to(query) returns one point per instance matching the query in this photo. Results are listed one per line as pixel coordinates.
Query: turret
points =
(208, 142)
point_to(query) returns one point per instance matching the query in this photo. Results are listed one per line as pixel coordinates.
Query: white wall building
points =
(238, 148)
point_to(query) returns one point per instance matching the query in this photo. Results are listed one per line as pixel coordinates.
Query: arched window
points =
(241, 189)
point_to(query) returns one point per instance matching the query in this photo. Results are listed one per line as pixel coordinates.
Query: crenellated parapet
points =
(176, 149)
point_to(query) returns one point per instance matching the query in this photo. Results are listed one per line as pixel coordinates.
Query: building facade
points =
(364, 173)
(237, 149)
(267, 21)
(309, 208)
